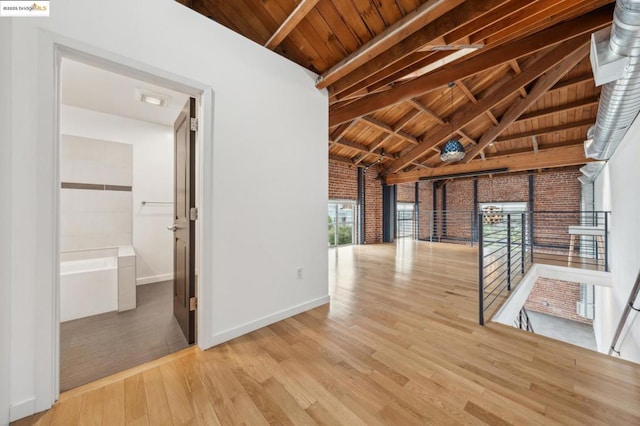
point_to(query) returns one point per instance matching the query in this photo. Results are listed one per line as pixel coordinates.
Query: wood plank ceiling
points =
(510, 79)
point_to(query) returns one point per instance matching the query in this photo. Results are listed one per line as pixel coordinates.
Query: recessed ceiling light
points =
(151, 98)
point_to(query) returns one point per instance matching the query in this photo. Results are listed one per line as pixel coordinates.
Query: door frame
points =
(51, 49)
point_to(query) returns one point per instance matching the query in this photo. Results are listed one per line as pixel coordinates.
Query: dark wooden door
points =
(184, 302)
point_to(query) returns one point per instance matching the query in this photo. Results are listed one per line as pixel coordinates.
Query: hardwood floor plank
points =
(92, 408)
(114, 404)
(399, 344)
(156, 399)
(179, 404)
(134, 397)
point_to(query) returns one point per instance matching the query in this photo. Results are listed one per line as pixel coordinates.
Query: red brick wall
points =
(553, 190)
(343, 181)
(343, 185)
(373, 203)
(425, 199)
(557, 298)
(406, 192)
(556, 191)
(503, 188)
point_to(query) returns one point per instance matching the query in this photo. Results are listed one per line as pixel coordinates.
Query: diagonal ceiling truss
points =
(523, 89)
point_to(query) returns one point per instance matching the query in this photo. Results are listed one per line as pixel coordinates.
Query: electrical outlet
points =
(299, 272)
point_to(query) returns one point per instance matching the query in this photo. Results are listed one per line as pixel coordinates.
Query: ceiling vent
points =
(615, 59)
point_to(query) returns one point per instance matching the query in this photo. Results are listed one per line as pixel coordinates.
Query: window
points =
(405, 220)
(341, 222)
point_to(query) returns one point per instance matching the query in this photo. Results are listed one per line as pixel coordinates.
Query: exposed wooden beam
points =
(516, 68)
(547, 130)
(298, 14)
(466, 136)
(389, 130)
(405, 119)
(545, 158)
(377, 124)
(577, 28)
(429, 34)
(352, 145)
(456, 27)
(547, 146)
(473, 99)
(541, 86)
(378, 142)
(341, 159)
(419, 106)
(582, 103)
(340, 131)
(534, 17)
(401, 29)
(534, 142)
(572, 82)
(471, 112)
(382, 139)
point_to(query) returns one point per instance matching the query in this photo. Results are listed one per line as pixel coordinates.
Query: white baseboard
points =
(232, 333)
(22, 409)
(153, 279)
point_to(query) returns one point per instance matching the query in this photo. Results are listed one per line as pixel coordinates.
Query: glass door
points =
(341, 222)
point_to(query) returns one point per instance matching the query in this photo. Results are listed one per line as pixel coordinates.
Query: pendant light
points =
(453, 150)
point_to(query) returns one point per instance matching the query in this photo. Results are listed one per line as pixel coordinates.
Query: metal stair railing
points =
(523, 322)
(625, 315)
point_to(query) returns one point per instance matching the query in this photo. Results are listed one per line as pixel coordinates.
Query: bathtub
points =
(88, 287)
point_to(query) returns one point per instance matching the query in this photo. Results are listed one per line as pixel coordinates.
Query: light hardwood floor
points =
(399, 344)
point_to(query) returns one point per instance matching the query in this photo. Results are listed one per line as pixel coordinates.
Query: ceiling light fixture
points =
(151, 98)
(453, 150)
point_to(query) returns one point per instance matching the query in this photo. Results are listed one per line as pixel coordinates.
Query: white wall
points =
(616, 189)
(152, 181)
(5, 216)
(264, 195)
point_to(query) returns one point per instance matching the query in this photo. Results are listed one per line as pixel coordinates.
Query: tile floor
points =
(101, 345)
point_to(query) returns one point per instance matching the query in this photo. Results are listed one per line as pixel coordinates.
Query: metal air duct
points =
(620, 98)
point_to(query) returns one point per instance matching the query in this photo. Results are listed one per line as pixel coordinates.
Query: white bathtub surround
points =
(96, 281)
(152, 181)
(95, 217)
(88, 287)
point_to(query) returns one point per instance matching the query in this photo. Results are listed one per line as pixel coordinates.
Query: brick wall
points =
(343, 185)
(557, 298)
(556, 189)
(556, 192)
(373, 202)
(343, 181)
(503, 188)
(425, 199)
(406, 192)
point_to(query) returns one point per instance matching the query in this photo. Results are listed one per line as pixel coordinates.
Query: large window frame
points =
(406, 220)
(342, 222)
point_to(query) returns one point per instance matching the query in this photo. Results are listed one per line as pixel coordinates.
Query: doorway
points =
(122, 281)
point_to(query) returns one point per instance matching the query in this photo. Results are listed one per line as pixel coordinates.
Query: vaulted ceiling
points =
(510, 79)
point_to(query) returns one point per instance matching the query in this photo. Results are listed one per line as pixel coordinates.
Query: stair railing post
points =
(480, 273)
(509, 252)
(524, 245)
